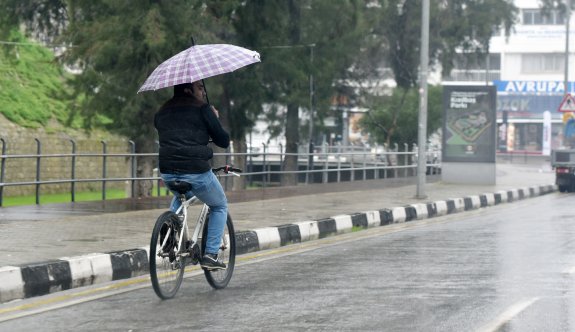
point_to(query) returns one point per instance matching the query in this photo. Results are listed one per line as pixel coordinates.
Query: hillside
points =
(34, 98)
(32, 88)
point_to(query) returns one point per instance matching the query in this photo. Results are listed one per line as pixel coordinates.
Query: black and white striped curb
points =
(29, 280)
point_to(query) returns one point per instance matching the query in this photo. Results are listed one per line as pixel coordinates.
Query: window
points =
(536, 17)
(471, 61)
(472, 67)
(544, 63)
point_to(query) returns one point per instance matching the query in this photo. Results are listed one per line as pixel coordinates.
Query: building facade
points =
(528, 70)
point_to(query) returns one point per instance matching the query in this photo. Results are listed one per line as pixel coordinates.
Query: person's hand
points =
(216, 112)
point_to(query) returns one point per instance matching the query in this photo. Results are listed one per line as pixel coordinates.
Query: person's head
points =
(195, 89)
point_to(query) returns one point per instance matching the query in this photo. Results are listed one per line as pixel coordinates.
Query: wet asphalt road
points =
(505, 268)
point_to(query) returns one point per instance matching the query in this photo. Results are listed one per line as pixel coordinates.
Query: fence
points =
(264, 168)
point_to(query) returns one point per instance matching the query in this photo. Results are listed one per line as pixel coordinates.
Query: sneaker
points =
(211, 262)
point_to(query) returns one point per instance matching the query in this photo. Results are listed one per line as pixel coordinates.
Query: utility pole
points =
(566, 83)
(422, 128)
(311, 98)
(567, 19)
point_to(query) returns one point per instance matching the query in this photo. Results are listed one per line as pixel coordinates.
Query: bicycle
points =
(172, 248)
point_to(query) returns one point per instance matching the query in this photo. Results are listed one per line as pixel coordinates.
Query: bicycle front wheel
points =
(166, 266)
(219, 279)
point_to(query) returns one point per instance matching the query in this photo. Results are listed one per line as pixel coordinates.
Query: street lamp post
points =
(566, 81)
(422, 128)
(311, 95)
(567, 19)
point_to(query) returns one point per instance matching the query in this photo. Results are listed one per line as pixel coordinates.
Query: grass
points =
(62, 198)
(357, 228)
(32, 85)
(67, 197)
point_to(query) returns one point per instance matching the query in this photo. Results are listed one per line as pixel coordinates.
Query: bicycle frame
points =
(170, 252)
(184, 234)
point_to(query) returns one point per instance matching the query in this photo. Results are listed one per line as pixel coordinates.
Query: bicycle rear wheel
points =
(166, 268)
(219, 279)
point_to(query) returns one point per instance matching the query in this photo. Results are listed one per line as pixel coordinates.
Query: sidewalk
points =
(30, 235)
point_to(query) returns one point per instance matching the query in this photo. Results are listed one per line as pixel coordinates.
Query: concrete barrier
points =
(29, 280)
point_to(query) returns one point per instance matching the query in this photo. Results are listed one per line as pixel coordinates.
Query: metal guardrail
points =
(345, 163)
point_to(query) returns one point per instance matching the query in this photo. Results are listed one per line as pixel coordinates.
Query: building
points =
(528, 69)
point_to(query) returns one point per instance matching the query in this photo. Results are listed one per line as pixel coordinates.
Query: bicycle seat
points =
(180, 187)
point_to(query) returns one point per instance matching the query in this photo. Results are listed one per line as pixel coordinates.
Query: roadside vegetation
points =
(313, 52)
(32, 86)
(62, 198)
(85, 196)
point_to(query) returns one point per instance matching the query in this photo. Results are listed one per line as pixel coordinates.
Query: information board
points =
(469, 124)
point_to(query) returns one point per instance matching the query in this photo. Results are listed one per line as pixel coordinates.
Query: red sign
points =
(568, 104)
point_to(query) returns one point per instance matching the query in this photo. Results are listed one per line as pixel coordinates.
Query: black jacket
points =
(184, 129)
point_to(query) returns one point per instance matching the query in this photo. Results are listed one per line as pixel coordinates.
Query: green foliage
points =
(284, 32)
(454, 25)
(555, 4)
(379, 120)
(32, 85)
(118, 43)
(394, 41)
(83, 196)
(468, 25)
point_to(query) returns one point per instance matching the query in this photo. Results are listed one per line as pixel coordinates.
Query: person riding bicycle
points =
(185, 124)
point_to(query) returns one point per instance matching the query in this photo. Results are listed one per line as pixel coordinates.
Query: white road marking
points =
(508, 315)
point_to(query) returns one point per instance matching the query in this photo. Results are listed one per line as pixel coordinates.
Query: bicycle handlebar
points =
(227, 169)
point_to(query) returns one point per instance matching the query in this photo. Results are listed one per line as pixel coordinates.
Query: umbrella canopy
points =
(199, 62)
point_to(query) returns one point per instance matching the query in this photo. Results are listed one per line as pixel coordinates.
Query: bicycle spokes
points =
(166, 263)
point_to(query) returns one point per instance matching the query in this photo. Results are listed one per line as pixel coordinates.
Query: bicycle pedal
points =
(213, 268)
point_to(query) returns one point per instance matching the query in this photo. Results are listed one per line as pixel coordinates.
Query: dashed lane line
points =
(508, 315)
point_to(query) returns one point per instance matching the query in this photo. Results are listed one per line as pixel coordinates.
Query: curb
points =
(36, 279)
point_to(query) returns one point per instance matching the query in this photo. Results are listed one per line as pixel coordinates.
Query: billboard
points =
(469, 124)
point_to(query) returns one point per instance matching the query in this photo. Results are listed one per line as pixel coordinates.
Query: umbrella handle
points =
(203, 83)
(206, 91)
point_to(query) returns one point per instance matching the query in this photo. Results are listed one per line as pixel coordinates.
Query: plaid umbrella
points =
(199, 62)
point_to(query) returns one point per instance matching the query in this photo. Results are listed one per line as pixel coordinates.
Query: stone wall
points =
(22, 141)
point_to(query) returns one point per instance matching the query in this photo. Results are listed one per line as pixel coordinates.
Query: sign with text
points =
(533, 87)
(469, 123)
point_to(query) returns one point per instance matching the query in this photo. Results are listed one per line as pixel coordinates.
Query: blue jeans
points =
(209, 190)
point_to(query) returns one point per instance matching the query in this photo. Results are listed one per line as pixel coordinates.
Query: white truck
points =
(563, 161)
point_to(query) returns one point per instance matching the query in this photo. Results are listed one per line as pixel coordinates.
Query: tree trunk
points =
(145, 166)
(292, 138)
(292, 117)
(240, 146)
(393, 127)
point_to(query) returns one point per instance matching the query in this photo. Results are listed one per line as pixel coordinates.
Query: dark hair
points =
(179, 89)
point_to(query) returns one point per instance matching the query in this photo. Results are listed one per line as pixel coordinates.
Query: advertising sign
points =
(533, 87)
(469, 123)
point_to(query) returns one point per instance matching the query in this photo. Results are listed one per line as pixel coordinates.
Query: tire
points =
(219, 279)
(166, 270)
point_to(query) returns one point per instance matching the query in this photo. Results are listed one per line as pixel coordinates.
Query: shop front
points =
(521, 106)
